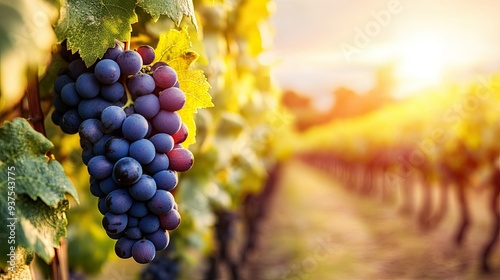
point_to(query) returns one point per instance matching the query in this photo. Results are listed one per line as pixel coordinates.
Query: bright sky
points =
(323, 44)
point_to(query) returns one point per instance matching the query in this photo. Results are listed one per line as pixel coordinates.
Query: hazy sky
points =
(322, 44)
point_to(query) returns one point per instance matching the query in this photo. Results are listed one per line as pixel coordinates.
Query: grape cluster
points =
(125, 111)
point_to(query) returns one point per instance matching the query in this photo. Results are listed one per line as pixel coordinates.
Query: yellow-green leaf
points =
(174, 48)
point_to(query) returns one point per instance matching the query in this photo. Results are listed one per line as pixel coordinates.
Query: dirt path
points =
(318, 230)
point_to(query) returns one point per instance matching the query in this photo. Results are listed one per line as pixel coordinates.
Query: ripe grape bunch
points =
(125, 111)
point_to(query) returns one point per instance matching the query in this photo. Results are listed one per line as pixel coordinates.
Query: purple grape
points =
(142, 150)
(147, 105)
(107, 71)
(161, 202)
(172, 99)
(114, 223)
(70, 122)
(181, 135)
(76, 68)
(112, 53)
(92, 108)
(61, 81)
(118, 201)
(166, 179)
(138, 209)
(141, 84)
(123, 247)
(143, 251)
(149, 223)
(159, 163)
(180, 159)
(130, 62)
(165, 76)
(135, 127)
(159, 238)
(112, 92)
(158, 64)
(147, 53)
(112, 118)
(91, 130)
(163, 142)
(167, 122)
(144, 189)
(133, 233)
(99, 145)
(171, 220)
(116, 148)
(87, 85)
(100, 167)
(108, 185)
(127, 171)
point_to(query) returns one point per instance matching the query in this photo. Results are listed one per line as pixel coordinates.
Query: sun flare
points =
(421, 62)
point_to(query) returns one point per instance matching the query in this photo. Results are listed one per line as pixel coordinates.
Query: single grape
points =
(171, 220)
(112, 92)
(138, 210)
(123, 247)
(87, 85)
(161, 202)
(141, 84)
(133, 233)
(132, 221)
(147, 105)
(147, 53)
(165, 76)
(61, 81)
(143, 251)
(166, 179)
(167, 122)
(112, 53)
(116, 148)
(172, 99)
(76, 68)
(135, 127)
(87, 154)
(118, 201)
(112, 118)
(107, 71)
(180, 159)
(100, 167)
(70, 122)
(91, 130)
(130, 62)
(144, 189)
(159, 238)
(108, 185)
(127, 171)
(101, 205)
(163, 142)
(57, 116)
(114, 223)
(159, 163)
(149, 223)
(181, 135)
(142, 150)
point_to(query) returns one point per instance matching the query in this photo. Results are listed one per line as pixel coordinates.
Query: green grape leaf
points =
(174, 48)
(34, 189)
(174, 9)
(36, 175)
(91, 26)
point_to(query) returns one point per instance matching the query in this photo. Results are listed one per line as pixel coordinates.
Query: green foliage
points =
(174, 9)
(34, 190)
(91, 26)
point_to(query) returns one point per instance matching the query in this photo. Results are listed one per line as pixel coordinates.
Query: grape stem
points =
(130, 101)
(59, 265)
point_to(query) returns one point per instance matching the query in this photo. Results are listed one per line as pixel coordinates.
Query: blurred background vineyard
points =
(349, 140)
